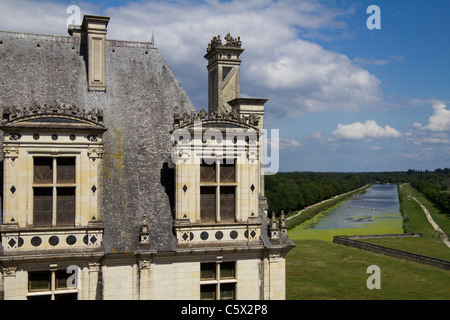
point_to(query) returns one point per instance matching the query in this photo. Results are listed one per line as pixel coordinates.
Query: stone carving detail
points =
(94, 266)
(230, 42)
(95, 153)
(144, 264)
(11, 152)
(9, 271)
(185, 119)
(13, 112)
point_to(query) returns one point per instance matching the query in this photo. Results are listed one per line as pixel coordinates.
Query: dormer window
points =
(217, 191)
(54, 191)
(217, 178)
(52, 172)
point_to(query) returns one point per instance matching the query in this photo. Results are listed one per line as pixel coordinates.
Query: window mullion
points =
(54, 203)
(218, 281)
(217, 190)
(53, 284)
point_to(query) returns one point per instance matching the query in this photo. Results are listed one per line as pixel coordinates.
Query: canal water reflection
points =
(376, 211)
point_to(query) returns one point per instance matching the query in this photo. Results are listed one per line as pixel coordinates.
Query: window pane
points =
(208, 271)
(61, 279)
(227, 291)
(39, 281)
(208, 204)
(208, 292)
(43, 170)
(65, 209)
(207, 172)
(227, 270)
(227, 172)
(42, 207)
(227, 203)
(66, 170)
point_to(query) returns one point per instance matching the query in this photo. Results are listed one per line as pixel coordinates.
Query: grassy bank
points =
(321, 270)
(318, 269)
(415, 221)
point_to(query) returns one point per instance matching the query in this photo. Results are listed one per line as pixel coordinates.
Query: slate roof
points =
(138, 106)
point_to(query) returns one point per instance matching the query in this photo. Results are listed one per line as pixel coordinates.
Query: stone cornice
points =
(13, 113)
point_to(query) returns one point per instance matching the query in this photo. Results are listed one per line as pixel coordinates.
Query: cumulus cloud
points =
(435, 131)
(439, 121)
(283, 143)
(305, 77)
(360, 131)
(297, 75)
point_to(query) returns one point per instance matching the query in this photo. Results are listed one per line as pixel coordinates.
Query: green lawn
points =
(319, 269)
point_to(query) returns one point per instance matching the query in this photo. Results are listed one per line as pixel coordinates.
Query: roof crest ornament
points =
(216, 42)
(14, 113)
(184, 119)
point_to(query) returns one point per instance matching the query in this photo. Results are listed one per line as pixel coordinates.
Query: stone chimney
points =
(93, 36)
(223, 72)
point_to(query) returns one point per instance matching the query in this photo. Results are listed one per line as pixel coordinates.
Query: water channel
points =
(376, 211)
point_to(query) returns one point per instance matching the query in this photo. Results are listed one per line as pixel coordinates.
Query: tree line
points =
(293, 191)
(434, 185)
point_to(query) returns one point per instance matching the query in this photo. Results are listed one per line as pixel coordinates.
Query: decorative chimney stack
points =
(223, 72)
(93, 33)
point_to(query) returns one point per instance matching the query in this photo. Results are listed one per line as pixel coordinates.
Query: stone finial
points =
(144, 233)
(216, 42)
(273, 230)
(232, 41)
(283, 226)
(6, 113)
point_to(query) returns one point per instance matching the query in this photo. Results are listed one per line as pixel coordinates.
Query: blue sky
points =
(343, 97)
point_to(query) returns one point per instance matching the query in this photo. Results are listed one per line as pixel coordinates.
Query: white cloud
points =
(420, 137)
(307, 78)
(379, 62)
(360, 131)
(296, 75)
(435, 131)
(283, 143)
(46, 17)
(439, 121)
(421, 154)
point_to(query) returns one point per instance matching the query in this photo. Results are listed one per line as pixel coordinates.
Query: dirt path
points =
(324, 201)
(433, 224)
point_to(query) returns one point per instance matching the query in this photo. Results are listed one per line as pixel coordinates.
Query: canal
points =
(376, 211)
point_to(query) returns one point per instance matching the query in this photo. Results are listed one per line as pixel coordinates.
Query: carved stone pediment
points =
(55, 115)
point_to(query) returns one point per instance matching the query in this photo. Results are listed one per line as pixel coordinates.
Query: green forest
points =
(292, 191)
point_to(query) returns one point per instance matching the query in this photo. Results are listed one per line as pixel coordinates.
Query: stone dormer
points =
(52, 159)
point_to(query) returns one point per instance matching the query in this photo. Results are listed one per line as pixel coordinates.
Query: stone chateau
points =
(116, 187)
